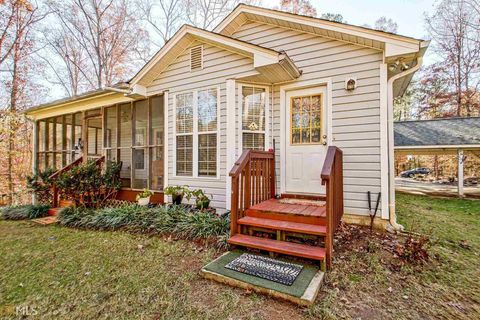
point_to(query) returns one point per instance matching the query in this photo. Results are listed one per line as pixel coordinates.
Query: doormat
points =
(46, 220)
(305, 202)
(266, 268)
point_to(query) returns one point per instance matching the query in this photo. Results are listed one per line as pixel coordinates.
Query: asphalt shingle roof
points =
(453, 131)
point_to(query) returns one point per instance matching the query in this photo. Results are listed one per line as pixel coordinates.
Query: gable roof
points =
(393, 44)
(187, 34)
(437, 132)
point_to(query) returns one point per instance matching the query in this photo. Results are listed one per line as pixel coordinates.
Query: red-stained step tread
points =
(304, 228)
(283, 247)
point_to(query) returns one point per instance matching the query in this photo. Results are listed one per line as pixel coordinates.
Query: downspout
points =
(391, 159)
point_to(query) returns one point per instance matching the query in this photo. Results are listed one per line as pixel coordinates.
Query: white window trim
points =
(240, 119)
(195, 134)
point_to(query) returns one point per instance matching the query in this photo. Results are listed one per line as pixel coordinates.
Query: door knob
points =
(324, 143)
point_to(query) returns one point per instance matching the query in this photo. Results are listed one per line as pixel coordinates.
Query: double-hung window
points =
(253, 117)
(196, 133)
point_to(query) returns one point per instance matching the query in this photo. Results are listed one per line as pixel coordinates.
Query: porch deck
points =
(294, 226)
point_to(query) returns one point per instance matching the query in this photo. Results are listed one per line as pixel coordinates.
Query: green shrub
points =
(87, 186)
(41, 185)
(172, 219)
(24, 212)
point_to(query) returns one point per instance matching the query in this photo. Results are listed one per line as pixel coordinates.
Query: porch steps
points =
(282, 247)
(288, 226)
(54, 211)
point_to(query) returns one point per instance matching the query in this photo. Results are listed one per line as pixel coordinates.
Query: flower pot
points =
(177, 198)
(144, 201)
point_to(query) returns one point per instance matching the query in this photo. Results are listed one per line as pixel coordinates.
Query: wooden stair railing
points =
(53, 177)
(332, 178)
(253, 181)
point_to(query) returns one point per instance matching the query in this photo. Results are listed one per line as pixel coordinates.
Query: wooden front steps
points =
(303, 228)
(283, 220)
(283, 247)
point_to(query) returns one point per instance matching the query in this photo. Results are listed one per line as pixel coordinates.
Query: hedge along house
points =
(262, 80)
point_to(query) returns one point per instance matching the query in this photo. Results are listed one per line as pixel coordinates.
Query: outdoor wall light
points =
(350, 84)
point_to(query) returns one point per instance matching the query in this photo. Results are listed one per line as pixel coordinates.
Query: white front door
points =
(306, 141)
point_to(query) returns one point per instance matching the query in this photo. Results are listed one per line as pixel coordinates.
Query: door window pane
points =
(156, 168)
(207, 154)
(207, 110)
(184, 155)
(111, 127)
(157, 121)
(306, 119)
(141, 114)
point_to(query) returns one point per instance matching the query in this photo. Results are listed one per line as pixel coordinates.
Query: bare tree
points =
(206, 14)
(17, 45)
(454, 29)
(302, 7)
(68, 68)
(333, 17)
(164, 16)
(108, 33)
(384, 24)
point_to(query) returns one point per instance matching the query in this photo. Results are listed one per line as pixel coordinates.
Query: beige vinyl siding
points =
(218, 66)
(356, 115)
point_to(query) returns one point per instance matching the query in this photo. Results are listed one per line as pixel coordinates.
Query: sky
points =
(408, 14)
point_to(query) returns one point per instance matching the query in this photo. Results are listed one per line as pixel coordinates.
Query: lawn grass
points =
(65, 273)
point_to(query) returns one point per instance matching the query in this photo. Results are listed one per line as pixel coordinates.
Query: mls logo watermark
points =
(26, 310)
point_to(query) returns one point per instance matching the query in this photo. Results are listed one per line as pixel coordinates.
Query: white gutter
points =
(125, 91)
(391, 157)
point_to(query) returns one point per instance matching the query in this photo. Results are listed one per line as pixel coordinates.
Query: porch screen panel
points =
(125, 143)
(140, 163)
(156, 165)
(110, 139)
(253, 117)
(42, 140)
(207, 132)
(77, 135)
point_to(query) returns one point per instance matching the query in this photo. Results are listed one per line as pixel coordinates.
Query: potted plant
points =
(143, 198)
(177, 193)
(202, 201)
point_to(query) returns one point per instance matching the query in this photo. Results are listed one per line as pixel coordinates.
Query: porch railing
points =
(53, 177)
(253, 181)
(332, 178)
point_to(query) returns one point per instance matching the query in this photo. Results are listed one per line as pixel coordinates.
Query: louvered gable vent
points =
(196, 58)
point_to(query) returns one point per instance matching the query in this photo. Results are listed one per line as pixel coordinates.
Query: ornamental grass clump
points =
(24, 212)
(178, 220)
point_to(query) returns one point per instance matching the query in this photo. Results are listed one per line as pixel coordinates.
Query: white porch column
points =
(231, 148)
(460, 172)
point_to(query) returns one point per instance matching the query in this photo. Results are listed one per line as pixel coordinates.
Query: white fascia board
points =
(392, 50)
(397, 40)
(138, 89)
(260, 60)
